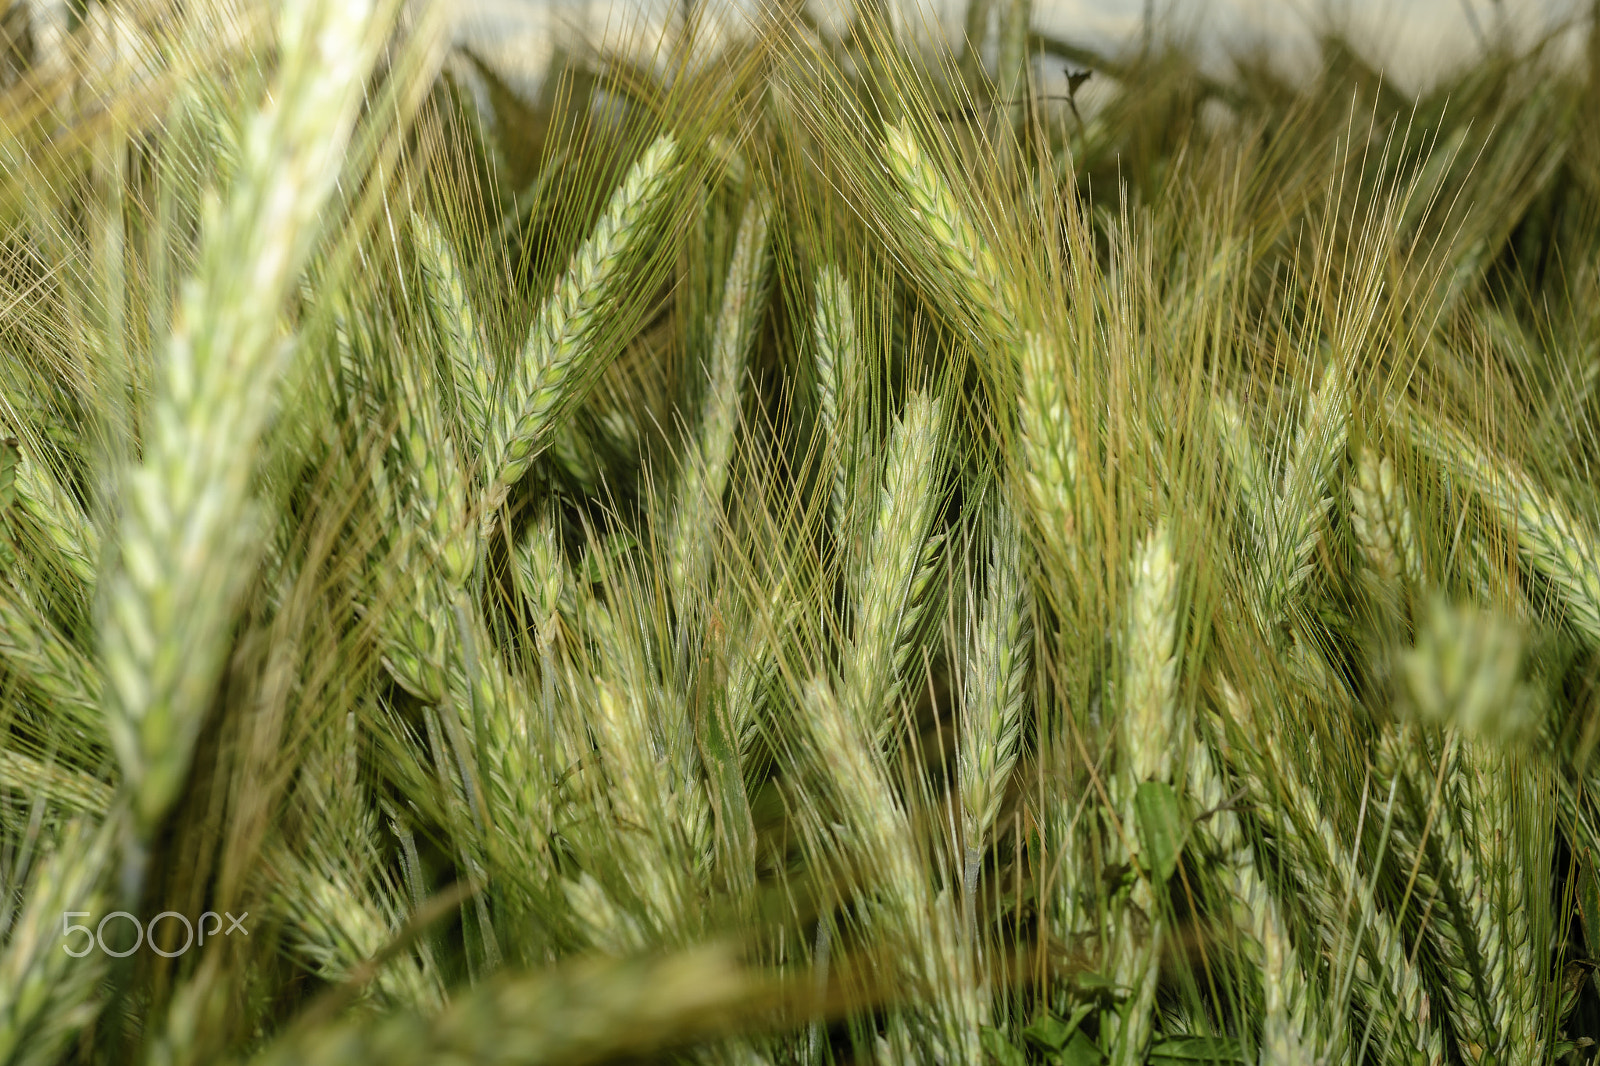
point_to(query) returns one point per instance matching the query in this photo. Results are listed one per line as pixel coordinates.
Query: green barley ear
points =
(1263, 922)
(434, 486)
(1149, 697)
(589, 1011)
(1357, 930)
(1381, 522)
(703, 477)
(46, 994)
(1150, 751)
(897, 578)
(1249, 473)
(187, 533)
(559, 356)
(960, 253)
(1464, 672)
(839, 387)
(1049, 453)
(61, 526)
(542, 575)
(994, 697)
(61, 787)
(49, 666)
(1559, 544)
(1300, 512)
(337, 924)
(471, 368)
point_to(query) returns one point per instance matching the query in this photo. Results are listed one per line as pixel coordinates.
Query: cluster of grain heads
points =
(580, 655)
(186, 533)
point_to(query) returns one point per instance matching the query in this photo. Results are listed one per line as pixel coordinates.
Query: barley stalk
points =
(559, 356)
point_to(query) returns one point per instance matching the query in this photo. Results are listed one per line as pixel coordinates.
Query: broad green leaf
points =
(1080, 1051)
(1161, 828)
(9, 457)
(1223, 1050)
(1049, 1032)
(999, 1050)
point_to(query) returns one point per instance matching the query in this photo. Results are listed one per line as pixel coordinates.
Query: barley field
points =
(816, 549)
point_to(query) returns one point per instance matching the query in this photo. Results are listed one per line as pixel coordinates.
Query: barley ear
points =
(961, 253)
(839, 387)
(994, 696)
(458, 325)
(1147, 734)
(559, 356)
(1303, 505)
(62, 526)
(703, 477)
(897, 578)
(1381, 522)
(1558, 543)
(46, 994)
(187, 536)
(1049, 454)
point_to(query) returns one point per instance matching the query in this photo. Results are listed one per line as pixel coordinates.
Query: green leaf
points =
(9, 457)
(1000, 1050)
(1049, 1032)
(1099, 986)
(1080, 1051)
(1161, 828)
(1215, 1049)
(1052, 1033)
